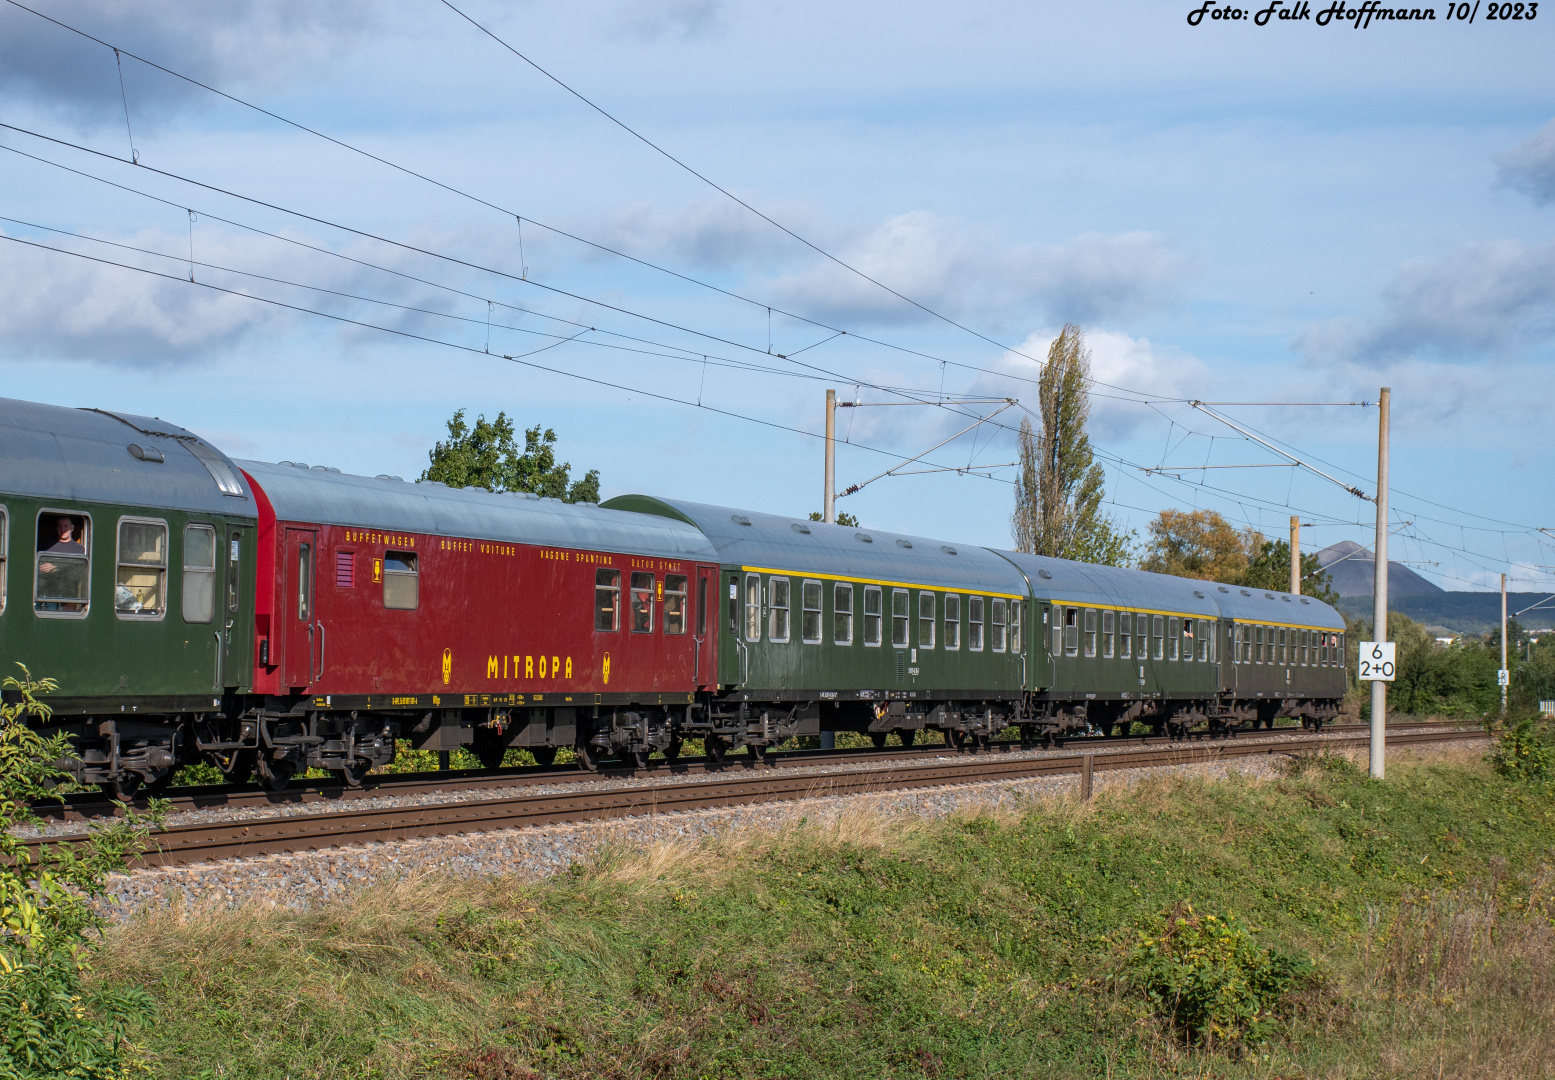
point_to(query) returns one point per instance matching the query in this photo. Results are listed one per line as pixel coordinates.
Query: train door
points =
(234, 645)
(298, 615)
(1227, 656)
(706, 625)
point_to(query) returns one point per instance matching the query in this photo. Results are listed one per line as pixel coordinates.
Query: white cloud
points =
(654, 20)
(1484, 297)
(968, 270)
(1529, 167)
(236, 43)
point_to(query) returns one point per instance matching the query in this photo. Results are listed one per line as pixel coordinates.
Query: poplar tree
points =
(1059, 489)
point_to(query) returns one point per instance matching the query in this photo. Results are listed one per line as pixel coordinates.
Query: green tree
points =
(1059, 488)
(1200, 544)
(52, 1023)
(487, 455)
(1270, 569)
(847, 521)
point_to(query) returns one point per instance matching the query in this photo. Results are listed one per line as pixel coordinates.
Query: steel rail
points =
(87, 806)
(183, 844)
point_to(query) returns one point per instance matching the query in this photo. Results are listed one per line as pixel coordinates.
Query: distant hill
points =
(1463, 612)
(1352, 569)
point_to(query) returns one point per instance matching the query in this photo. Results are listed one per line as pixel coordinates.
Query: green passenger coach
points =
(126, 575)
(825, 627)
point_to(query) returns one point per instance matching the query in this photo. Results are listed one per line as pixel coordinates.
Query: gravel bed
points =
(300, 880)
(207, 815)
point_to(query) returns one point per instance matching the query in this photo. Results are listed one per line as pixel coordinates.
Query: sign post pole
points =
(1379, 610)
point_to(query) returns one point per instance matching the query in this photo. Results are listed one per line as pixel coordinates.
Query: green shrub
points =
(51, 1024)
(1209, 979)
(1524, 753)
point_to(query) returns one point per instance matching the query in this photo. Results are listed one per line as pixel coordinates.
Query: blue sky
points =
(1288, 213)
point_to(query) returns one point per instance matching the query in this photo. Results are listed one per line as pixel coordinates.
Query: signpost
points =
(1377, 661)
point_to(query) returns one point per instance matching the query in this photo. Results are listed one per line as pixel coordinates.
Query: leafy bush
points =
(51, 1024)
(1524, 752)
(1209, 979)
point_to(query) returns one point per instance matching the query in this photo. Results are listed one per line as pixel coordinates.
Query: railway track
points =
(88, 806)
(181, 844)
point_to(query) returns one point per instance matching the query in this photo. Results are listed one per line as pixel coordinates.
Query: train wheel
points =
(588, 757)
(672, 751)
(274, 774)
(544, 755)
(490, 754)
(123, 787)
(878, 738)
(354, 773)
(238, 766)
(955, 739)
(753, 751)
(908, 737)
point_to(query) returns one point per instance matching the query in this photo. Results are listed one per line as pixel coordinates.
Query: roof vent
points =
(288, 464)
(386, 476)
(1286, 599)
(1304, 600)
(426, 483)
(1198, 594)
(523, 495)
(1047, 574)
(1244, 592)
(904, 543)
(799, 527)
(298, 464)
(1222, 588)
(947, 549)
(145, 453)
(1268, 596)
(739, 519)
(865, 537)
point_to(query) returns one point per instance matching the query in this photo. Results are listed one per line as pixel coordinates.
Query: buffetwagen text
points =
(1361, 16)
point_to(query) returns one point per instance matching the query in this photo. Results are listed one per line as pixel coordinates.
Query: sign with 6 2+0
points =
(1376, 661)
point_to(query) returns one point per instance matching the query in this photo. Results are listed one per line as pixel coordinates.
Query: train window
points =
(1234, 638)
(642, 602)
(304, 582)
(234, 551)
(752, 607)
(1158, 629)
(1287, 655)
(1189, 642)
(607, 599)
(701, 605)
(871, 615)
(1071, 631)
(926, 620)
(674, 603)
(1125, 639)
(1109, 621)
(974, 623)
(1090, 631)
(140, 586)
(1206, 640)
(1173, 631)
(952, 621)
(734, 604)
(1015, 626)
(401, 580)
(1142, 637)
(810, 600)
(899, 618)
(1303, 635)
(199, 573)
(842, 614)
(4, 537)
(63, 570)
(996, 626)
(777, 609)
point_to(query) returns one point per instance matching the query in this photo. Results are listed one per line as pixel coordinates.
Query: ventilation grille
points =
(345, 569)
(901, 666)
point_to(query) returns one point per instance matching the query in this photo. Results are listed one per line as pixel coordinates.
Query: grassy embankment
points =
(982, 946)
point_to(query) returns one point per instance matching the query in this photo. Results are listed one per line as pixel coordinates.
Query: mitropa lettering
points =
(517, 666)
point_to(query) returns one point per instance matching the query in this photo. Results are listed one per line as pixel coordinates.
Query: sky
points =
(663, 228)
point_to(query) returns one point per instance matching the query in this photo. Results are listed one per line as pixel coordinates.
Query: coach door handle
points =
(320, 675)
(217, 636)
